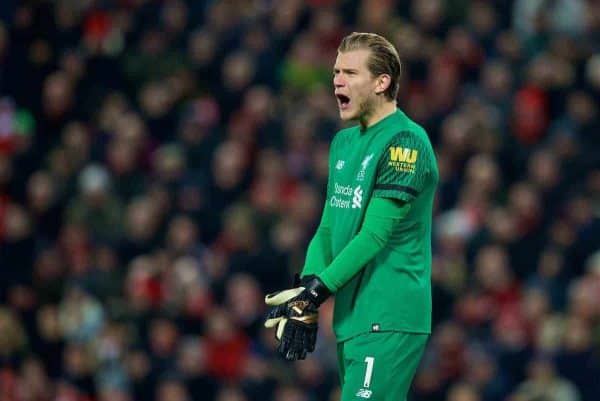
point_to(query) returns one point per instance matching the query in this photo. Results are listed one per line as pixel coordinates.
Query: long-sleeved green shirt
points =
(373, 246)
(380, 217)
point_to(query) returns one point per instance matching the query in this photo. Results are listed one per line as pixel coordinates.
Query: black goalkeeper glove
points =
(276, 315)
(295, 313)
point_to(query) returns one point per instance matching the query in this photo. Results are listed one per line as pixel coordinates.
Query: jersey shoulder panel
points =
(404, 167)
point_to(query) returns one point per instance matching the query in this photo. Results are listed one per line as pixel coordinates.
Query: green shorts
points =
(379, 366)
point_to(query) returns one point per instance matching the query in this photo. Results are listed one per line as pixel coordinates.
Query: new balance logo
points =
(364, 393)
(357, 198)
(340, 164)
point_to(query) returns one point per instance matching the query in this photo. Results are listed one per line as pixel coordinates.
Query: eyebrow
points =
(345, 70)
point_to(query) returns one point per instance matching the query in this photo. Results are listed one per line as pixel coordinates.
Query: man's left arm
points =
(381, 216)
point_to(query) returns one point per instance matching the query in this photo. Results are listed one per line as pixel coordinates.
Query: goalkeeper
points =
(372, 248)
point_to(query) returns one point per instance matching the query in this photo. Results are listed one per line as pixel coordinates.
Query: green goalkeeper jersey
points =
(392, 159)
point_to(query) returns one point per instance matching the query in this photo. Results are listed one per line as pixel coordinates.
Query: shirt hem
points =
(344, 338)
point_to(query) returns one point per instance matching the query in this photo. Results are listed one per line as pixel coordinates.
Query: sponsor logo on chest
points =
(346, 197)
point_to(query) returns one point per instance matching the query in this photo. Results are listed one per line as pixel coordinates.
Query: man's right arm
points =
(318, 255)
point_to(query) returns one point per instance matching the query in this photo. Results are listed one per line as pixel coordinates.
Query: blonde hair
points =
(383, 59)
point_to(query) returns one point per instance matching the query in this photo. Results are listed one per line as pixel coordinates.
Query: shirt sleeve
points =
(318, 254)
(381, 216)
(404, 168)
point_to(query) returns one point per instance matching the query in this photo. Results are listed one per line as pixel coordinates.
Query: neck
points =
(377, 114)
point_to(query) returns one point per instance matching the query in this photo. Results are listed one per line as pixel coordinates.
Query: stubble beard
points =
(365, 110)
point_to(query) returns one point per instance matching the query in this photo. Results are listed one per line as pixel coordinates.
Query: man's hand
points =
(276, 315)
(295, 313)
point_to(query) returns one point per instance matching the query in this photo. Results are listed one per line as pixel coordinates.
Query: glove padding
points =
(276, 315)
(295, 314)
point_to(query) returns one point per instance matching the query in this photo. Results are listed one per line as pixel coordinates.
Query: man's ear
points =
(382, 83)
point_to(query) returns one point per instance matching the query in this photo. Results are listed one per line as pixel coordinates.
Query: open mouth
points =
(343, 101)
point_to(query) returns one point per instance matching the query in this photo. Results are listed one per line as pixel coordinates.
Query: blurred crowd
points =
(163, 165)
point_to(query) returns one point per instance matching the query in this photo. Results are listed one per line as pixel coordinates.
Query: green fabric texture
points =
(393, 358)
(318, 254)
(380, 218)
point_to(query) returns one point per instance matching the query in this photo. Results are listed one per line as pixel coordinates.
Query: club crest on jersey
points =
(357, 198)
(364, 164)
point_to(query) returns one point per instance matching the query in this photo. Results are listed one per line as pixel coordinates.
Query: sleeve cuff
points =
(325, 280)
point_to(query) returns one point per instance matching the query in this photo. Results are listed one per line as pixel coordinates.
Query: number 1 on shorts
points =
(369, 361)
